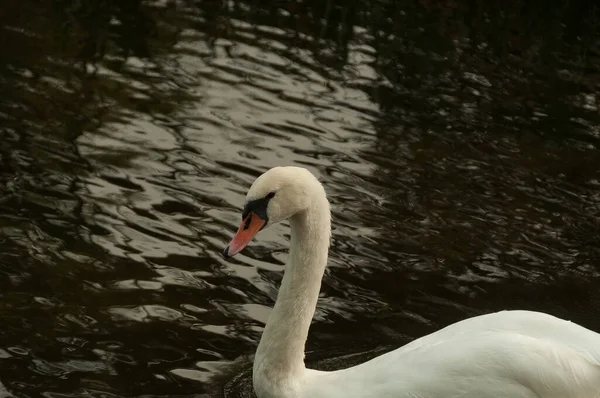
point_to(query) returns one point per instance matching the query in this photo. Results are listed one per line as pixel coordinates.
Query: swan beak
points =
(249, 228)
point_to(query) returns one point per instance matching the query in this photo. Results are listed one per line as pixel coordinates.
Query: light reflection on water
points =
(448, 200)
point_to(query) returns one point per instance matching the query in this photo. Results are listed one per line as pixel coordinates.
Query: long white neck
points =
(280, 355)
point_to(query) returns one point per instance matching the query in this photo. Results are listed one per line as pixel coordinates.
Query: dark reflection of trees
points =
(510, 91)
(538, 60)
(328, 41)
(52, 93)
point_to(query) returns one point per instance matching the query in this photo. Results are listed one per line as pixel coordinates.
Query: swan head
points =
(275, 196)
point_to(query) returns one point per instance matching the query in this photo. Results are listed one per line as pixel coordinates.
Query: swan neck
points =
(280, 354)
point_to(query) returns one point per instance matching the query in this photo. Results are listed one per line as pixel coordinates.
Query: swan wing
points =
(509, 354)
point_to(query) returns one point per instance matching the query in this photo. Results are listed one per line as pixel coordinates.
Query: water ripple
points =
(132, 136)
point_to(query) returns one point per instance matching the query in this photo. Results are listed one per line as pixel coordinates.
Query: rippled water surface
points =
(463, 173)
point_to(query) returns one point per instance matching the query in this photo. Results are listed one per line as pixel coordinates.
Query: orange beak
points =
(249, 228)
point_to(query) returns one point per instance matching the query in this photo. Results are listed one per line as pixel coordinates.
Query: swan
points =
(507, 354)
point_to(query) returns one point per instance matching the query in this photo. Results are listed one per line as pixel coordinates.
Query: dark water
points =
(458, 145)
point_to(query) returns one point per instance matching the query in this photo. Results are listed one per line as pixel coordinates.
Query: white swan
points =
(509, 354)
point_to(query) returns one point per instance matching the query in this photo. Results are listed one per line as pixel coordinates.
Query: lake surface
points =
(458, 146)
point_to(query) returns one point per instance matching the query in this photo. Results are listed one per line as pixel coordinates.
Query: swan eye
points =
(270, 195)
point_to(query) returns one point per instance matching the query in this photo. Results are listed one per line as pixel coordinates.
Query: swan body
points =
(508, 354)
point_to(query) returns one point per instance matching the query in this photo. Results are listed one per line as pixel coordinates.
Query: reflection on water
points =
(461, 165)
